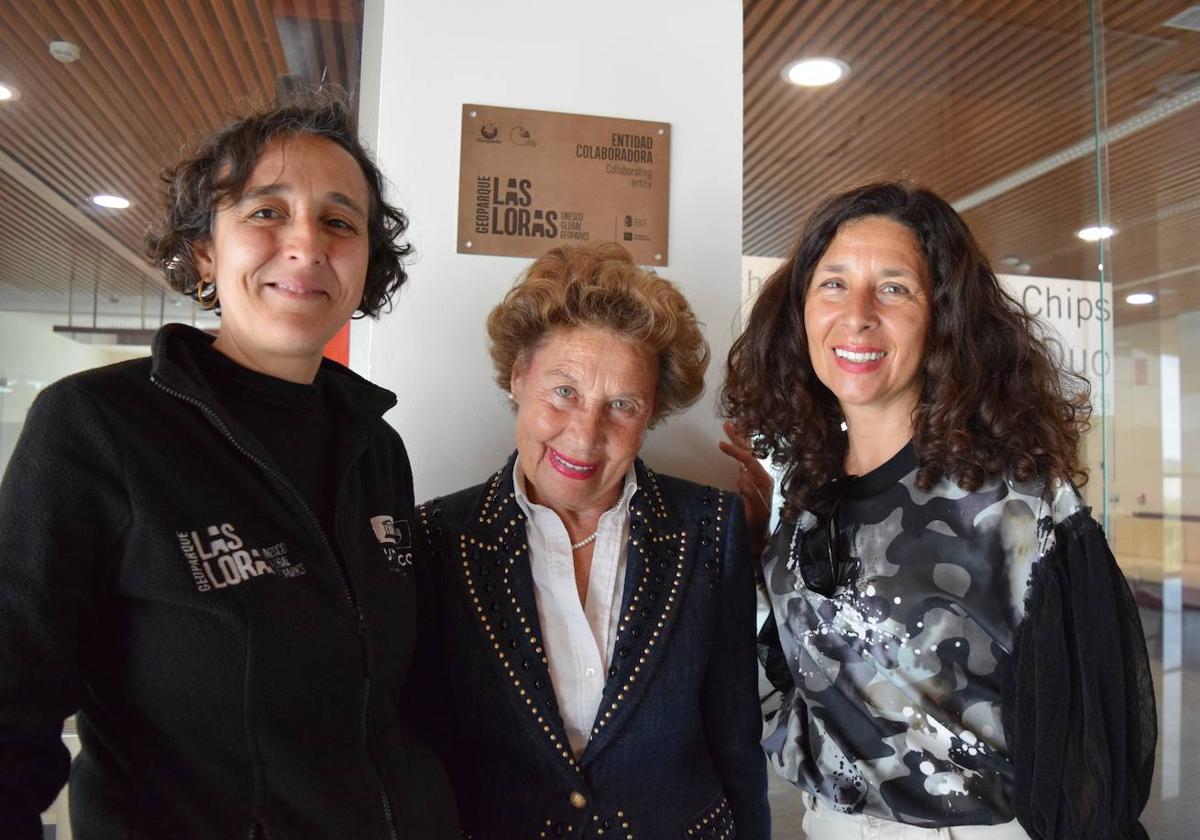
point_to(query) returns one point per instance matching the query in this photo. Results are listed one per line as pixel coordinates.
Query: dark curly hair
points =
(992, 399)
(601, 286)
(216, 172)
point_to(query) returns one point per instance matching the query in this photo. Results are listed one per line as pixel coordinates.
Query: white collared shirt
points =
(578, 638)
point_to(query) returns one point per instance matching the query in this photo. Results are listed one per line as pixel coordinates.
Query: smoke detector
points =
(65, 51)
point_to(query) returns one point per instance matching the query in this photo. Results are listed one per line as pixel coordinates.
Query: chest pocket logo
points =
(395, 537)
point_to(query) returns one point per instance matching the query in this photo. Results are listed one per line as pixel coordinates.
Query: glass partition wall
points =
(1068, 135)
(1153, 202)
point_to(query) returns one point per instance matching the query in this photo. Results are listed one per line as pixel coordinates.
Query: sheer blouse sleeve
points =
(1079, 711)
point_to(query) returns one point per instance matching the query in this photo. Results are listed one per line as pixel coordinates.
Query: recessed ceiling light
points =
(1140, 298)
(113, 202)
(8, 93)
(1095, 234)
(815, 72)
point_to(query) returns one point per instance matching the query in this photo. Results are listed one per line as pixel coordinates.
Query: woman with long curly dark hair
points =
(958, 652)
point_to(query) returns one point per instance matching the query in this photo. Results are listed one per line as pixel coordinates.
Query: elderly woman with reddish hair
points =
(597, 618)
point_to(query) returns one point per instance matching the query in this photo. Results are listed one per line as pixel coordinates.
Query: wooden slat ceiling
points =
(958, 95)
(43, 254)
(154, 76)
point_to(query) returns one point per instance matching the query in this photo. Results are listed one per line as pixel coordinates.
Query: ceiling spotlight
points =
(8, 93)
(1095, 234)
(1140, 298)
(815, 72)
(113, 202)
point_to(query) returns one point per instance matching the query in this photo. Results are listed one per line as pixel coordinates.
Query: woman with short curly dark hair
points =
(596, 618)
(216, 173)
(957, 649)
(206, 555)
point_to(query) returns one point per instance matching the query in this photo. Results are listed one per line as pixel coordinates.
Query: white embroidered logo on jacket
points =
(395, 537)
(218, 557)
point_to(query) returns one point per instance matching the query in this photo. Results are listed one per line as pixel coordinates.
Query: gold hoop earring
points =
(206, 292)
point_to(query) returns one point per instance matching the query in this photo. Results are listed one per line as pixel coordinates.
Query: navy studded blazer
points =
(674, 752)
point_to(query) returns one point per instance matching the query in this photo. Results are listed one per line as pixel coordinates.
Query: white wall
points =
(673, 61)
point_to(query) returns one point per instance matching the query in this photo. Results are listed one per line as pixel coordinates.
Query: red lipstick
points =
(570, 467)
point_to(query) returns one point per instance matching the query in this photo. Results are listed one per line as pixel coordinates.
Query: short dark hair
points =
(215, 174)
(993, 400)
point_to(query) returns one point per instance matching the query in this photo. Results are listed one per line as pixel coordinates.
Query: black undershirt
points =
(292, 422)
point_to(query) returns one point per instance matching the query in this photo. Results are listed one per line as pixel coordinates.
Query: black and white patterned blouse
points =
(899, 678)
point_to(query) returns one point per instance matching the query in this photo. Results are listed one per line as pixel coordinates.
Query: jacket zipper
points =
(339, 564)
(362, 636)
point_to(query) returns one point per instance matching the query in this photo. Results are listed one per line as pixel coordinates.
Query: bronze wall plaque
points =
(530, 180)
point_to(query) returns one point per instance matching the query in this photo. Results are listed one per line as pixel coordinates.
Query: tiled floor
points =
(1174, 640)
(1173, 812)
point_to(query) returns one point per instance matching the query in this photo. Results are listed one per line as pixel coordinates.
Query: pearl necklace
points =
(585, 540)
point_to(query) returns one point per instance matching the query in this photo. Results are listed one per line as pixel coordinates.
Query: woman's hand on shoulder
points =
(754, 483)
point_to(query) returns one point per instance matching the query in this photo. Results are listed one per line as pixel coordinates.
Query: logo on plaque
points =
(562, 178)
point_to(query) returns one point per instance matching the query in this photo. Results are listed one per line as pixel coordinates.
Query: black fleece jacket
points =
(233, 674)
